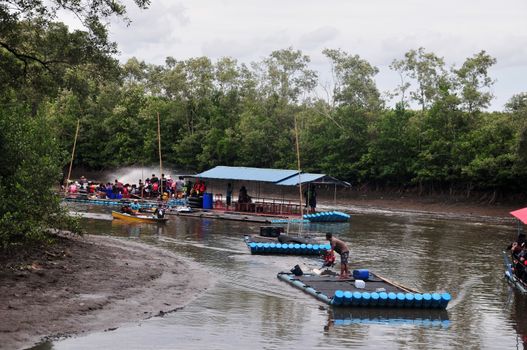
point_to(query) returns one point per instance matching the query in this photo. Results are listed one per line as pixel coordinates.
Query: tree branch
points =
(24, 58)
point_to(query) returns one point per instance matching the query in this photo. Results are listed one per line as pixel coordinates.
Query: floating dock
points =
(327, 216)
(272, 246)
(145, 204)
(373, 291)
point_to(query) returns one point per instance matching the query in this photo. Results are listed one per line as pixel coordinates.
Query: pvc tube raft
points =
(330, 216)
(373, 299)
(285, 248)
(298, 284)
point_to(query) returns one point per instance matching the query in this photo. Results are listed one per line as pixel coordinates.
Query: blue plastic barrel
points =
(374, 298)
(418, 300)
(366, 297)
(401, 298)
(409, 299)
(338, 297)
(383, 298)
(392, 297)
(357, 297)
(348, 296)
(445, 298)
(207, 200)
(427, 299)
(361, 274)
(436, 300)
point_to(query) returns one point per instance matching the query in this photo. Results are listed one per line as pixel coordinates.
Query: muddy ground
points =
(93, 283)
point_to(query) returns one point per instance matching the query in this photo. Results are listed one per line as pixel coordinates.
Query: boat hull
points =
(511, 278)
(138, 218)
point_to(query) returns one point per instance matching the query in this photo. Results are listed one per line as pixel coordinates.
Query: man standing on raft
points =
(340, 247)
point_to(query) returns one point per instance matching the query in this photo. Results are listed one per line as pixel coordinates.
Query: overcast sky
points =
(377, 30)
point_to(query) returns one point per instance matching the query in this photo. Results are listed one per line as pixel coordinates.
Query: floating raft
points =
(377, 292)
(120, 202)
(327, 216)
(511, 277)
(290, 221)
(271, 246)
(344, 316)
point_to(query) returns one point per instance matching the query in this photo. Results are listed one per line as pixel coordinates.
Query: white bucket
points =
(360, 284)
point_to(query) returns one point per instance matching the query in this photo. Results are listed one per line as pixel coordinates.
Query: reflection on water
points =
(519, 317)
(250, 308)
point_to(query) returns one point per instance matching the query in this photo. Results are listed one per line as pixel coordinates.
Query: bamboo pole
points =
(299, 170)
(72, 155)
(160, 160)
(398, 285)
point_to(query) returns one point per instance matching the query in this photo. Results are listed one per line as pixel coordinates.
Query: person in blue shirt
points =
(135, 206)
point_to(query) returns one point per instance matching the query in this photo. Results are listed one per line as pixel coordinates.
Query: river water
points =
(248, 307)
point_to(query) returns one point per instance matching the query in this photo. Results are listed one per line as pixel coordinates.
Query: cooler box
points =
(361, 274)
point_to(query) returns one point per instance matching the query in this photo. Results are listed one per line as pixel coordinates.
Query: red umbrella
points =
(520, 214)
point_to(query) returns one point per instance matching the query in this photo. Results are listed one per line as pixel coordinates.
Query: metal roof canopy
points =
(247, 174)
(319, 179)
(279, 177)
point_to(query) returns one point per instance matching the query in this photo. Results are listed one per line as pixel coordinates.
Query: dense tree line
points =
(230, 113)
(438, 137)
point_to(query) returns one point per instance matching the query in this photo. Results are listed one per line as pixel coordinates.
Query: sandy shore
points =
(93, 283)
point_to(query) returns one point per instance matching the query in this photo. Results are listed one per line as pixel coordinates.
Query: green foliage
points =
(223, 113)
(355, 85)
(51, 77)
(471, 78)
(29, 167)
(426, 69)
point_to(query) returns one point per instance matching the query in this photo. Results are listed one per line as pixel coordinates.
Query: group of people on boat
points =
(518, 250)
(135, 209)
(152, 188)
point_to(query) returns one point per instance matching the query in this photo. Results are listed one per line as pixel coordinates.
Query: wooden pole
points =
(398, 285)
(160, 160)
(299, 170)
(72, 155)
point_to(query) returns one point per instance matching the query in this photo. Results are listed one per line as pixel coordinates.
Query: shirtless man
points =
(340, 247)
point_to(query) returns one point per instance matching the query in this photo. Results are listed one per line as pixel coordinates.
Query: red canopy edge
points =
(520, 214)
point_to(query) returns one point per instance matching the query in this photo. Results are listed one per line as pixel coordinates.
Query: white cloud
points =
(317, 38)
(377, 30)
